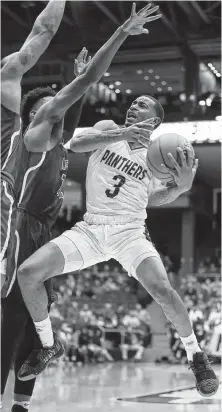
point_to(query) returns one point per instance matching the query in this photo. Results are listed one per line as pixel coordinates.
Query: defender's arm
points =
(44, 28)
(16, 64)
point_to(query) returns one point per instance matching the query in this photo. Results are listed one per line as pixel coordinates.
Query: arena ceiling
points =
(185, 24)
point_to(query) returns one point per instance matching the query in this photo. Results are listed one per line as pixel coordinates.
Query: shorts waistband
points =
(93, 219)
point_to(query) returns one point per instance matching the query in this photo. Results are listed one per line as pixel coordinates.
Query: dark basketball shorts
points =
(30, 235)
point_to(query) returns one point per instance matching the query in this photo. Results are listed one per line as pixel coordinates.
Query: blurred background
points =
(101, 313)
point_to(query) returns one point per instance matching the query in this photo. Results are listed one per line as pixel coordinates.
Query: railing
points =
(119, 333)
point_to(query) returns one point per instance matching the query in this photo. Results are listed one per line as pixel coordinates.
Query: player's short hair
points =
(30, 99)
(158, 107)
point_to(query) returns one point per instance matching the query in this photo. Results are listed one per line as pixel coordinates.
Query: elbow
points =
(77, 148)
(31, 146)
(43, 27)
(91, 75)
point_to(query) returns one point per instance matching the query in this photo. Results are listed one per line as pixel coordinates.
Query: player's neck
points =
(134, 145)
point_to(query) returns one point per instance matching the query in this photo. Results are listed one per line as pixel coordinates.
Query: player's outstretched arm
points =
(182, 175)
(56, 108)
(16, 64)
(107, 132)
(101, 61)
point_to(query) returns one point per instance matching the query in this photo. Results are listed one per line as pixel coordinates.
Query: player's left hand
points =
(134, 25)
(81, 62)
(183, 174)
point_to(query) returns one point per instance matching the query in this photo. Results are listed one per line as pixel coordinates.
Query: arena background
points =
(179, 63)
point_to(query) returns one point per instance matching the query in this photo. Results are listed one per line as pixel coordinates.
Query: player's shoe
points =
(206, 381)
(18, 408)
(39, 359)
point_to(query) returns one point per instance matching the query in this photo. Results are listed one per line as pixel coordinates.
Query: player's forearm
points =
(73, 115)
(66, 97)
(165, 195)
(93, 139)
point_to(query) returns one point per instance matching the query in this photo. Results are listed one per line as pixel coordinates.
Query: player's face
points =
(141, 109)
(37, 106)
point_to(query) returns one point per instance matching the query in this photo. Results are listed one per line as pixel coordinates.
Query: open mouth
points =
(132, 115)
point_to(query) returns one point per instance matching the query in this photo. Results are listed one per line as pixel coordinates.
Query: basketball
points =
(158, 150)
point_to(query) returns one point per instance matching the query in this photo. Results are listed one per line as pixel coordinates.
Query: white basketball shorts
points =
(126, 243)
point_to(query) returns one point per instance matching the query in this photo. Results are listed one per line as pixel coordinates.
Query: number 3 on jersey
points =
(117, 186)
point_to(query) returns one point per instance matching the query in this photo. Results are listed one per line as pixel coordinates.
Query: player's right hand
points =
(140, 132)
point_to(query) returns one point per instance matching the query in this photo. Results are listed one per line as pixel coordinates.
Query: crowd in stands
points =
(210, 264)
(97, 308)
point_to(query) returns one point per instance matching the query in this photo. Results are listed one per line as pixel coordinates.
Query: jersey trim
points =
(16, 261)
(10, 149)
(136, 148)
(27, 173)
(11, 200)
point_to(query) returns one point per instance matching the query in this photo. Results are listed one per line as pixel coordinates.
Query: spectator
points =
(132, 341)
(191, 292)
(195, 314)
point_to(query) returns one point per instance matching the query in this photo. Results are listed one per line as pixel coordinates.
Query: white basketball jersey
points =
(117, 182)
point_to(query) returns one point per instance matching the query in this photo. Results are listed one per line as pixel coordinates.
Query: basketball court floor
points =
(118, 387)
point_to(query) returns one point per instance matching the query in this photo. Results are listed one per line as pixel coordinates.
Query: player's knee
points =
(26, 275)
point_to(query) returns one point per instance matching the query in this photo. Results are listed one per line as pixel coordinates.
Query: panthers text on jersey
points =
(117, 181)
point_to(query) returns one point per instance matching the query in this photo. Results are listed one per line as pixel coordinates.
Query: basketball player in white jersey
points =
(42, 135)
(119, 186)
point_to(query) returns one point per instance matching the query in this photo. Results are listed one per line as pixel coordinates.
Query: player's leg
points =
(152, 275)
(69, 252)
(46, 262)
(14, 319)
(23, 390)
(140, 259)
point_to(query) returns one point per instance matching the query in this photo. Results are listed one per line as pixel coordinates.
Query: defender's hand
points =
(183, 175)
(81, 62)
(140, 132)
(134, 25)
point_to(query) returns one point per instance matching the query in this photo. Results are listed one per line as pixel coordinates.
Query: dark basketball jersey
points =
(10, 123)
(39, 182)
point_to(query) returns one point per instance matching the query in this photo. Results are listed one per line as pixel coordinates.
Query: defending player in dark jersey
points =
(13, 67)
(39, 188)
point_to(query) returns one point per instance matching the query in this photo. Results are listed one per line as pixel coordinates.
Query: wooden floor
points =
(118, 387)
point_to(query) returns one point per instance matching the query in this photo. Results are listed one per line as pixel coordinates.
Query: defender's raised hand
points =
(134, 25)
(81, 62)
